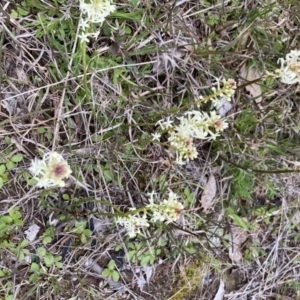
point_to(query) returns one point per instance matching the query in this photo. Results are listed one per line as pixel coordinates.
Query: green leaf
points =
(21, 256)
(106, 272)
(33, 277)
(3, 227)
(24, 243)
(2, 169)
(47, 240)
(41, 251)
(79, 226)
(3, 273)
(49, 260)
(107, 175)
(59, 265)
(145, 260)
(118, 247)
(6, 219)
(238, 221)
(190, 249)
(57, 258)
(41, 130)
(34, 267)
(131, 254)
(14, 14)
(49, 135)
(22, 12)
(17, 158)
(15, 214)
(66, 197)
(83, 239)
(10, 165)
(4, 177)
(111, 265)
(7, 140)
(115, 276)
(19, 223)
(130, 245)
(87, 232)
(162, 242)
(127, 30)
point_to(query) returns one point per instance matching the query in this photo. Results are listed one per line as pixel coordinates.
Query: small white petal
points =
(156, 136)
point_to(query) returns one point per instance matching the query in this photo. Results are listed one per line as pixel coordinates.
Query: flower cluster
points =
(227, 91)
(94, 12)
(168, 211)
(133, 223)
(50, 171)
(196, 125)
(289, 71)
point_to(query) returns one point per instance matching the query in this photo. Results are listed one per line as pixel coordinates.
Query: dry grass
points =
(149, 62)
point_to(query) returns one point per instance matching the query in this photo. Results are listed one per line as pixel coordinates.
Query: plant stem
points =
(258, 171)
(85, 81)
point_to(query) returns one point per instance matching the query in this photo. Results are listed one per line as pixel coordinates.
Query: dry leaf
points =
(238, 237)
(32, 232)
(209, 193)
(254, 89)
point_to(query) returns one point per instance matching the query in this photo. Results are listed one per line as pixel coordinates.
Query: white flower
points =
(195, 124)
(37, 167)
(286, 75)
(133, 224)
(156, 136)
(157, 216)
(289, 71)
(229, 87)
(93, 12)
(151, 197)
(97, 10)
(169, 210)
(227, 91)
(84, 24)
(216, 122)
(165, 124)
(50, 171)
(84, 37)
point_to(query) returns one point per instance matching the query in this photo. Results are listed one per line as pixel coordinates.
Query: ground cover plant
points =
(149, 149)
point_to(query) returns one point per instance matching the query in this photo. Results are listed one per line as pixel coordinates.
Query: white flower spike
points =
(289, 71)
(168, 211)
(133, 224)
(95, 11)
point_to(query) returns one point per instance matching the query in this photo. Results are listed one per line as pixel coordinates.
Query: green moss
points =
(189, 279)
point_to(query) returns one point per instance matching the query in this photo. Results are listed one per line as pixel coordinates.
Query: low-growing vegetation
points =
(149, 149)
